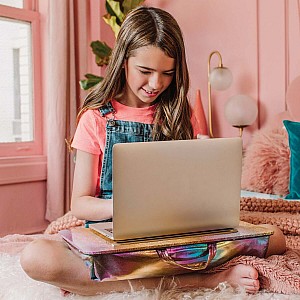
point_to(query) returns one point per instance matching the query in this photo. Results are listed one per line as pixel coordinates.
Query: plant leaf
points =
(116, 11)
(90, 81)
(130, 4)
(109, 9)
(102, 52)
(115, 7)
(112, 22)
(100, 48)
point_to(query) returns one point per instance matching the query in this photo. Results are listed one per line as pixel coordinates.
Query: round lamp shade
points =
(240, 110)
(220, 78)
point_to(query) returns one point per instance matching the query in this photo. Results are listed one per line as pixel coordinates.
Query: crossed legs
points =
(54, 263)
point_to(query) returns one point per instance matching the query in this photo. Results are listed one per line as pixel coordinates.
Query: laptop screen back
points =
(173, 187)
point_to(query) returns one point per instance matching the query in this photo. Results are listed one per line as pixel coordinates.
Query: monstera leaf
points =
(116, 12)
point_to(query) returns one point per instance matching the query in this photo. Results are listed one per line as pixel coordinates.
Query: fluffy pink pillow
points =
(266, 166)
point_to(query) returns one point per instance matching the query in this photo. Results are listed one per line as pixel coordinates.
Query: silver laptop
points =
(174, 188)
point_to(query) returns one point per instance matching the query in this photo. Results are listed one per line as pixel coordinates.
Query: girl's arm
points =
(84, 204)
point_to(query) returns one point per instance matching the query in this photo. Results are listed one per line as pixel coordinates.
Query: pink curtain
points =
(66, 55)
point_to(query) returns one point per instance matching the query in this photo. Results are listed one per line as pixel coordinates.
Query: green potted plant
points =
(116, 12)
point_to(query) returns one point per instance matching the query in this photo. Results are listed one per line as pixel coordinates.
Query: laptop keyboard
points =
(109, 230)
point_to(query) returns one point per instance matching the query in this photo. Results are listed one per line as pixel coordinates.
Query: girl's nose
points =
(155, 82)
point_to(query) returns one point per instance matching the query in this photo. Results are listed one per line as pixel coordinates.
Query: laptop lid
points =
(175, 187)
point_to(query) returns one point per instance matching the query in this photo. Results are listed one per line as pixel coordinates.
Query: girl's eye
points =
(169, 74)
(145, 72)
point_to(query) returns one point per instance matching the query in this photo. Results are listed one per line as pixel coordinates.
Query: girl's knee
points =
(38, 260)
(277, 242)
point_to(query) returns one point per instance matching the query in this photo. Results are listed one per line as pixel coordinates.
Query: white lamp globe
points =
(220, 78)
(240, 110)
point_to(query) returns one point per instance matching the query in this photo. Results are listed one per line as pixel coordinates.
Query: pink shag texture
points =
(266, 165)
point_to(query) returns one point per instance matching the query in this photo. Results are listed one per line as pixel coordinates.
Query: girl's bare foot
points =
(240, 275)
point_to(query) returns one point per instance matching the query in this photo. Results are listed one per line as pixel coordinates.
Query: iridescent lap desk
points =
(89, 242)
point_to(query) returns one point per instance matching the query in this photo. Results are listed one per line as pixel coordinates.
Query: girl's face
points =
(148, 73)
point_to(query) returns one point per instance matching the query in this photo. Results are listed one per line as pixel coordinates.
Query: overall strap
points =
(106, 109)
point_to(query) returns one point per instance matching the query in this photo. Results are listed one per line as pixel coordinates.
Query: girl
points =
(143, 97)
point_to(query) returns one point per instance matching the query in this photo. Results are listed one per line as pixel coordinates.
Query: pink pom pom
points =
(266, 165)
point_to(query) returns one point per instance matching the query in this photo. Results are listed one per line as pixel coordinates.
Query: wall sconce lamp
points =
(219, 78)
(240, 110)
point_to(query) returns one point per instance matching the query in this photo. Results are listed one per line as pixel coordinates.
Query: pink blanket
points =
(277, 273)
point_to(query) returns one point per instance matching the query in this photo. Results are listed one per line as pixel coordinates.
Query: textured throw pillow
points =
(293, 129)
(266, 162)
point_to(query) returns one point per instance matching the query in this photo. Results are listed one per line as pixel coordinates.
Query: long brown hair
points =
(145, 26)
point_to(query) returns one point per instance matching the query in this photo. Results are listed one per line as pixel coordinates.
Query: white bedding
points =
(245, 193)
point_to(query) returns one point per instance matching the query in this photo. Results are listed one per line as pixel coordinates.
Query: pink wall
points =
(22, 195)
(259, 41)
(22, 211)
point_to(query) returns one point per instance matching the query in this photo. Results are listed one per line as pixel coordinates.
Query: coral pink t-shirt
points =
(90, 135)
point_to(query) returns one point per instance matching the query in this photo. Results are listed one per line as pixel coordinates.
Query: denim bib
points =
(118, 132)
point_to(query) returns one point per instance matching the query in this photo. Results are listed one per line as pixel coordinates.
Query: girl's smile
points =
(150, 93)
(148, 74)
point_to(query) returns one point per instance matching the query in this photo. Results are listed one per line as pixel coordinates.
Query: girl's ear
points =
(125, 65)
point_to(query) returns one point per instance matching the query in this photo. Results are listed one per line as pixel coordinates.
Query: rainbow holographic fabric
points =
(181, 259)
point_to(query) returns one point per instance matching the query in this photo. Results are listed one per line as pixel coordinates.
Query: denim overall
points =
(118, 132)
